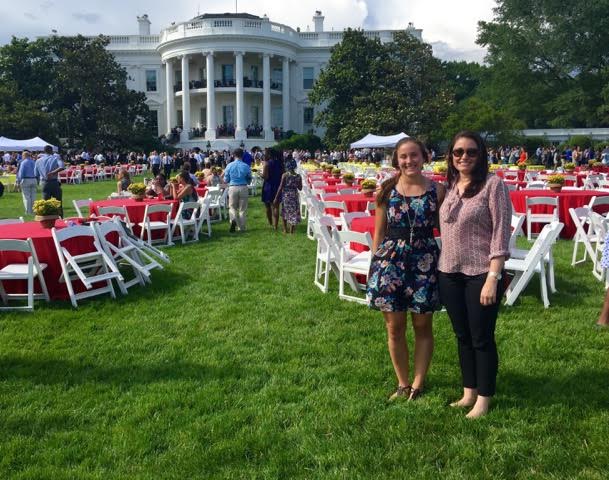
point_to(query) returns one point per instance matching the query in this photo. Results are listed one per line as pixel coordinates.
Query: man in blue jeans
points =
(238, 175)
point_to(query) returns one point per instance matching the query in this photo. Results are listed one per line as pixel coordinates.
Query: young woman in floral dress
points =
(403, 273)
(291, 184)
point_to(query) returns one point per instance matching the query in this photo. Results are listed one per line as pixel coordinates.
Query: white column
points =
(170, 95)
(240, 133)
(185, 98)
(286, 94)
(210, 133)
(266, 97)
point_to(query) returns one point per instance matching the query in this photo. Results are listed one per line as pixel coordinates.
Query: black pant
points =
(474, 327)
(52, 188)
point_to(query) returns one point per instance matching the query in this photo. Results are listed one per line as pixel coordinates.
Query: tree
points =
(70, 88)
(381, 88)
(549, 60)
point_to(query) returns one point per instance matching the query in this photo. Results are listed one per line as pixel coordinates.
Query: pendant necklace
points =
(410, 220)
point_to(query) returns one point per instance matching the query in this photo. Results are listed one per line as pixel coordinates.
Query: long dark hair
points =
(383, 197)
(480, 170)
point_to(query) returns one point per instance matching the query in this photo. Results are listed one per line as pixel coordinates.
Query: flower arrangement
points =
(137, 189)
(369, 184)
(522, 166)
(594, 163)
(217, 170)
(336, 171)
(200, 175)
(44, 208)
(556, 179)
(440, 168)
(569, 166)
(348, 177)
(493, 167)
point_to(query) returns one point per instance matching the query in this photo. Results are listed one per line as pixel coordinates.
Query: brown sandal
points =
(401, 392)
(415, 393)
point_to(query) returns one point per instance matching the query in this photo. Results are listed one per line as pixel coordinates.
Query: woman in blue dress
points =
(403, 273)
(272, 171)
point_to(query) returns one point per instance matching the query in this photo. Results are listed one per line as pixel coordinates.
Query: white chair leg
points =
(544, 286)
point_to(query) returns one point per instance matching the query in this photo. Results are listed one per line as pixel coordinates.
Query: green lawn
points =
(232, 364)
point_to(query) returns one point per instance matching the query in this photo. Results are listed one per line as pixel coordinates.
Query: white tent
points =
(376, 141)
(35, 144)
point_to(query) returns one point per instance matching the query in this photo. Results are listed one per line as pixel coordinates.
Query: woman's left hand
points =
(488, 295)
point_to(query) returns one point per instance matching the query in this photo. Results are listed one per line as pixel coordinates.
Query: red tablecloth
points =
(566, 200)
(135, 209)
(516, 182)
(337, 187)
(366, 224)
(46, 252)
(201, 191)
(355, 202)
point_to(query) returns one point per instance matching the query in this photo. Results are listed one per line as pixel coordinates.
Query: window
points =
(309, 113)
(307, 78)
(254, 115)
(177, 76)
(276, 116)
(255, 74)
(154, 121)
(151, 80)
(276, 78)
(180, 119)
(227, 74)
(204, 116)
(227, 114)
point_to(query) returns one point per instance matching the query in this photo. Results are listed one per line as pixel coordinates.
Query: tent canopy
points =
(376, 141)
(35, 144)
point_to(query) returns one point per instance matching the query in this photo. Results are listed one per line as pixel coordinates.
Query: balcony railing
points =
(247, 83)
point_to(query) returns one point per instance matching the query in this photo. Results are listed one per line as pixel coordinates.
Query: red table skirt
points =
(366, 224)
(46, 252)
(355, 202)
(337, 187)
(566, 200)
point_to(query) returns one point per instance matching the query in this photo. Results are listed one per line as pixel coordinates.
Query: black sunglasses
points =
(471, 152)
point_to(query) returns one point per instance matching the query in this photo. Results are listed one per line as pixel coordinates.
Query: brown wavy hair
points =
(383, 197)
(480, 170)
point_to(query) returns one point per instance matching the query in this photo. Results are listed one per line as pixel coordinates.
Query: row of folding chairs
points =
(113, 247)
(186, 228)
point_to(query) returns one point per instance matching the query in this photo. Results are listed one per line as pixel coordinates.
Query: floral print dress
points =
(404, 277)
(290, 202)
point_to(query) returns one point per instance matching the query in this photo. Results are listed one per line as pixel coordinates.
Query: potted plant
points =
(138, 190)
(522, 166)
(200, 175)
(368, 187)
(555, 182)
(569, 167)
(440, 168)
(348, 178)
(47, 211)
(336, 172)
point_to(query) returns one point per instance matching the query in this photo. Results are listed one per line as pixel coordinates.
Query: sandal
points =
(415, 393)
(401, 392)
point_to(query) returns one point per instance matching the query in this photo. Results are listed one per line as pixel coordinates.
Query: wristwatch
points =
(495, 275)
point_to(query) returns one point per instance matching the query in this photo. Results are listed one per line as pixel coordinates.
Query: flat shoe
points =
(415, 393)
(401, 392)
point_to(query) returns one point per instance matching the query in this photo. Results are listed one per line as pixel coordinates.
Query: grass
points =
(233, 365)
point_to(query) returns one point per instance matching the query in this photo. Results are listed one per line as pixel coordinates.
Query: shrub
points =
(307, 142)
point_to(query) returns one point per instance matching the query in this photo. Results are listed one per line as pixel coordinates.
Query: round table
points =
(566, 199)
(46, 252)
(355, 202)
(337, 187)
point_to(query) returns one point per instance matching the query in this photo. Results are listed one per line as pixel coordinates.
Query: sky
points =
(449, 27)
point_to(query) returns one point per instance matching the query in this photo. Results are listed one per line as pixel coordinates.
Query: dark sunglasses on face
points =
(471, 152)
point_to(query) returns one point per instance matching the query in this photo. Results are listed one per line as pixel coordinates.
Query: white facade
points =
(262, 73)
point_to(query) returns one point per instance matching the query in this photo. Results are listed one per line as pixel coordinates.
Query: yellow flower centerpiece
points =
(555, 182)
(369, 187)
(138, 190)
(47, 211)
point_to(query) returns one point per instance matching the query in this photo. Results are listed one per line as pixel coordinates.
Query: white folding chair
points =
(214, 201)
(598, 201)
(78, 204)
(76, 177)
(584, 234)
(516, 225)
(88, 268)
(187, 226)
(370, 207)
(147, 249)
(347, 191)
(599, 225)
(148, 225)
(326, 255)
(89, 175)
(11, 221)
(204, 215)
(534, 262)
(120, 212)
(337, 205)
(318, 184)
(315, 211)
(347, 217)
(592, 182)
(510, 175)
(537, 185)
(22, 271)
(531, 176)
(540, 217)
(224, 203)
(571, 179)
(512, 187)
(123, 253)
(354, 263)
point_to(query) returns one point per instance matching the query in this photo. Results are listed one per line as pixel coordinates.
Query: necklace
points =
(411, 223)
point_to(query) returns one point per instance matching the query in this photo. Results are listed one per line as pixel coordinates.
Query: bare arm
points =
(276, 199)
(380, 227)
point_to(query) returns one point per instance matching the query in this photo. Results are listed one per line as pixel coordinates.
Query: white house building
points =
(230, 79)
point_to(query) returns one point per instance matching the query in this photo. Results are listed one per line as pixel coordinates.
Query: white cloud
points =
(450, 24)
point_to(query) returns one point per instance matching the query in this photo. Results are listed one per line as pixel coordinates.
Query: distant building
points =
(246, 78)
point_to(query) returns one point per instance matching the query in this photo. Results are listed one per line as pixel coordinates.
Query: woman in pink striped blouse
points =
(475, 229)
